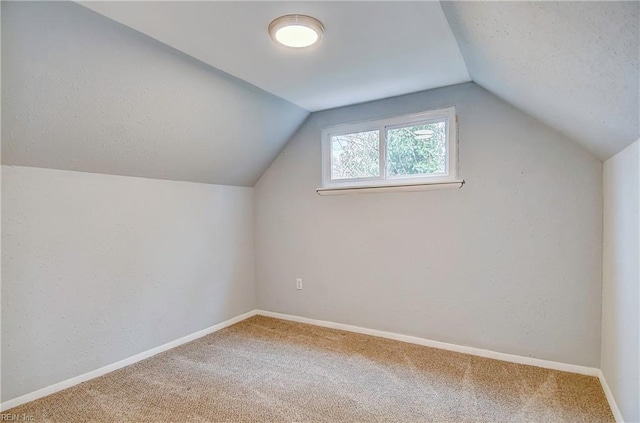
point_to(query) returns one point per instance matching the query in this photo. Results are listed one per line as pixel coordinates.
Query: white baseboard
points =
(612, 401)
(120, 364)
(589, 371)
(547, 364)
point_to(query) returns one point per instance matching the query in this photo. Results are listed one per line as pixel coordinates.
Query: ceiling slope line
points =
(572, 65)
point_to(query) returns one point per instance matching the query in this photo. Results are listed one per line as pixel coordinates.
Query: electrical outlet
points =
(298, 283)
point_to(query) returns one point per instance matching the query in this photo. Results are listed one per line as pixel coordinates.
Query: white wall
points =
(511, 262)
(621, 281)
(97, 268)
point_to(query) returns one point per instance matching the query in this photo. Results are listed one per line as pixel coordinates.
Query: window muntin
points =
(407, 150)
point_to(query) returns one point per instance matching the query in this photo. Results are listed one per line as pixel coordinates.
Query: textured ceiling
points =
(573, 65)
(370, 50)
(81, 92)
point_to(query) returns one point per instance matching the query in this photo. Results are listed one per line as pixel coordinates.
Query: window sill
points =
(389, 188)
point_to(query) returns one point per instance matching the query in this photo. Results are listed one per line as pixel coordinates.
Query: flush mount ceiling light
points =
(296, 31)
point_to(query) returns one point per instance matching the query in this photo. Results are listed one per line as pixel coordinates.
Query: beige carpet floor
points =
(270, 370)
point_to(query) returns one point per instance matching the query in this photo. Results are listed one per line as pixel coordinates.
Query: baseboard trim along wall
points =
(612, 401)
(122, 363)
(547, 364)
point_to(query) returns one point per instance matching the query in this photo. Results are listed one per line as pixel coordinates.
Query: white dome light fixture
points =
(297, 31)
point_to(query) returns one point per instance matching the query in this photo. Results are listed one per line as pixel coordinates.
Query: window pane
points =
(355, 155)
(417, 150)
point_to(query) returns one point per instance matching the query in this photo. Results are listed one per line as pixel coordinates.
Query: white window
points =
(419, 149)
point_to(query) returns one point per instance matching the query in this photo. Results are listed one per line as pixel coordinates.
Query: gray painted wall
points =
(97, 268)
(511, 262)
(621, 281)
(82, 92)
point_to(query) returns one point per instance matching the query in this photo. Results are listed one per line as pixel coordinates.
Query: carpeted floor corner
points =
(270, 370)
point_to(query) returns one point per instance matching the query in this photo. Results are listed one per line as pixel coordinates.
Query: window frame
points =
(383, 126)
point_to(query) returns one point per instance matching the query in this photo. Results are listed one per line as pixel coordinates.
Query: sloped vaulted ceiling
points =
(371, 50)
(197, 92)
(573, 65)
(81, 92)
